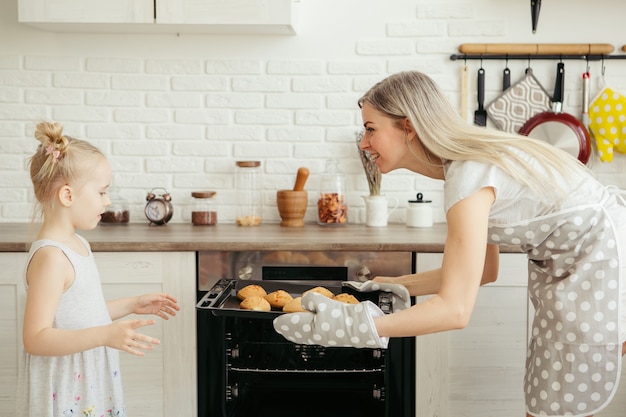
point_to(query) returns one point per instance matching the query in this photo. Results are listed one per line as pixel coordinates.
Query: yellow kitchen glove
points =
(607, 115)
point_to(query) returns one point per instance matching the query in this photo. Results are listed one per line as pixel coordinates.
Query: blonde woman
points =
(71, 334)
(499, 188)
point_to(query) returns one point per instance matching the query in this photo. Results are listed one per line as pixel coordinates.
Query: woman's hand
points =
(389, 280)
(159, 304)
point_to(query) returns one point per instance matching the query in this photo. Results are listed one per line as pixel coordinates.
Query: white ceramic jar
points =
(419, 212)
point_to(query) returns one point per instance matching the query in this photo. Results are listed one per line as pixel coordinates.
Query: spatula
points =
(480, 115)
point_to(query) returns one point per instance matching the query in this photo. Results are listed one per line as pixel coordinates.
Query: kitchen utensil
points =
(513, 107)
(535, 7)
(465, 114)
(558, 128)
(506, 78)
(480, 115)
(585, 91)
(292, 203)
(301, 177)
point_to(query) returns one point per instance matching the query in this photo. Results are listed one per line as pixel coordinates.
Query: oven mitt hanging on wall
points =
(399, 295)
(607, 123)
(332, 323)
(511, 109)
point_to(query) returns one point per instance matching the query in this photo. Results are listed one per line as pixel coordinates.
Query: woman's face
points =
(386, 140)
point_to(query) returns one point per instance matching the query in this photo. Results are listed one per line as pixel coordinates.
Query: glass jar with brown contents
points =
(116, 213)
(332, 208)
(203, 211)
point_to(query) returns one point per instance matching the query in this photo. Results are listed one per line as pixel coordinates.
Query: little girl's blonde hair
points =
(58, 160)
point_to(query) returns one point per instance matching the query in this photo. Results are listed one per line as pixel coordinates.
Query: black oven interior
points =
(246, 369)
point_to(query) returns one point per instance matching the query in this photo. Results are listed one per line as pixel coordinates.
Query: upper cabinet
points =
(162, 16)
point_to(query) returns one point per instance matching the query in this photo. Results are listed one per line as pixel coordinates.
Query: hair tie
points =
(55, 152)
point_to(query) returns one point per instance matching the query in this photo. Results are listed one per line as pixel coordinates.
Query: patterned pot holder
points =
(607, 122)
(511, 109)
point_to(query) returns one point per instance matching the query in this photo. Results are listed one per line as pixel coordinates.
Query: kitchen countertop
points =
(174, 237)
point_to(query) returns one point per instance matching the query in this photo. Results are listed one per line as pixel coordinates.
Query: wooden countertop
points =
(138, 237)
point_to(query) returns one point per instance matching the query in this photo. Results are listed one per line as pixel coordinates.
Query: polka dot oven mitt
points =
(607, 122)
(398, 294)
(332, 323)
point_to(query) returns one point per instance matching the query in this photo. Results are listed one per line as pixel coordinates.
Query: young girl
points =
(71, 363)
(499, 188)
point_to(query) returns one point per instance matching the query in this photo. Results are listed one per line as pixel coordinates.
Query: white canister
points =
(420, 212)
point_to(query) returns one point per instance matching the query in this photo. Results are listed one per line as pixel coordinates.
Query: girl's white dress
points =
(85, 384)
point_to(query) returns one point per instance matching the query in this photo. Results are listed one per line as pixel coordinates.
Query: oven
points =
(245, 369)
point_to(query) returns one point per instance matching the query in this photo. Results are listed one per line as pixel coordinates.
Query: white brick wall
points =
(178, 111)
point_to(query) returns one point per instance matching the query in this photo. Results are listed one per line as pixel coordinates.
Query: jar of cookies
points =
(332, 207)
(203, 212)
(248, 193)
(116, 213)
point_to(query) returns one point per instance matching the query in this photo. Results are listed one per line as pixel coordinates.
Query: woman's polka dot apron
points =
(574, 355)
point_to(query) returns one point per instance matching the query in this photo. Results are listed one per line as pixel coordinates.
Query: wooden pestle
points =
(301, 177)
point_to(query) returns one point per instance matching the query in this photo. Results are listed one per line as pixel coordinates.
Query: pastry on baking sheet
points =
(250, 291)
(255, 303)
(278, 298)
(294, 305)
(321, 290)
(344, 297)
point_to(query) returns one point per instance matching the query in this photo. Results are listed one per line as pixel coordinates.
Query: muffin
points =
(346, 298)
(278, 298)
(255, 303)
(321, 290)
(294, 306)
(251, 291)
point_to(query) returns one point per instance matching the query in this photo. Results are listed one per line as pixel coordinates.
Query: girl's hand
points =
(121, 335)
(160, 304)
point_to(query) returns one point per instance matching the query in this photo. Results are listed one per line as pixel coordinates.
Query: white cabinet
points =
(86, 11)
(478, 370)
(162, 16)
(162, 383)
(12, 297)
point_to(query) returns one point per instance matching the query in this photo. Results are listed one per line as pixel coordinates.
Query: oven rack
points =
(308, 371)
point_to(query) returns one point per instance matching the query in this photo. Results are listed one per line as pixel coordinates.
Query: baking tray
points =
(221, 299)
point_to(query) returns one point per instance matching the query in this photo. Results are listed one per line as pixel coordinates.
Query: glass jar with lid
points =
(118, 212)
(332, 208)
(203, 211)
(248, 193)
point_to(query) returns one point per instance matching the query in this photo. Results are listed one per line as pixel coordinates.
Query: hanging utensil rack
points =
(528, 51)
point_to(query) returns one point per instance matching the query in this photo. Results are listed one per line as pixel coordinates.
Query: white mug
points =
(377, 209)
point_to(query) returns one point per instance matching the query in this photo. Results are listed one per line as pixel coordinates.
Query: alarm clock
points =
(159, 209)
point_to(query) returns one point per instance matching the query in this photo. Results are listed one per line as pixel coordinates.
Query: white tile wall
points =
(178, 111)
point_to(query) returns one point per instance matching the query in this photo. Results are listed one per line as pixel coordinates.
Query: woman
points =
(499, 188)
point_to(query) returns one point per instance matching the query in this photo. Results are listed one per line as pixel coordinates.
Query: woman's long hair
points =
(444, 133)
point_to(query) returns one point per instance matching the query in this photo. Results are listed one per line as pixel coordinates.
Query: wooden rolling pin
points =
(537, 48)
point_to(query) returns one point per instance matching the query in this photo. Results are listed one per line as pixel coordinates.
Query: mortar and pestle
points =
(292, 203)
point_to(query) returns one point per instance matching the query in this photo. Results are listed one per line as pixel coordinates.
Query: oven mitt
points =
(521, 101)
(400, 297)
(332, 323)
(607, 123)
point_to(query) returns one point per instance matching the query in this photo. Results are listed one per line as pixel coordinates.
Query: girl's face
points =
(385, 140)
(89, 195)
